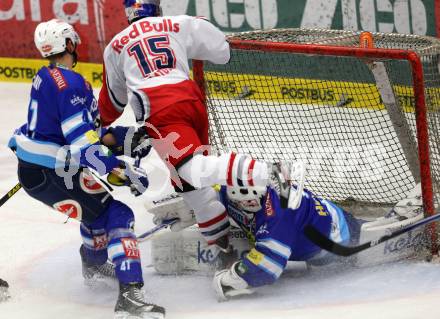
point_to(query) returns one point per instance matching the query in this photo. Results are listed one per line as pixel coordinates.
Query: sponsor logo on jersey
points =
(90, 185)
(75, 100)
(166, 25)
(130, 247)
(237, 215)
(269, 209)
(255, 256)
(58, 78)
(92, 136)
(70, 208)
(262, 230)
(100, 242)
(320, 209)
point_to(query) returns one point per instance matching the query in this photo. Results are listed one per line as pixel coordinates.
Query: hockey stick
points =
(316, 237)
(9, 194)
(149, 233)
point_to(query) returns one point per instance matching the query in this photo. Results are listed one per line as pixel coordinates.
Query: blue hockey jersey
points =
(279, 235)
(60, 128)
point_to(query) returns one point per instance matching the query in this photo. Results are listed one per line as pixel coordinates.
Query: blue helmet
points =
(137, 9)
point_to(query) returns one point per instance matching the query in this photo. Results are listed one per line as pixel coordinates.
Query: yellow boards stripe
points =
(23, 70)
(317, 92)
(280, 90)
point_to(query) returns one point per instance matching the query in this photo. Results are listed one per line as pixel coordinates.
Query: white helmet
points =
(247, 198)
(50, 37)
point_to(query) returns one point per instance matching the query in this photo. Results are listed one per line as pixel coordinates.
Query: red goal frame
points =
(362, 53)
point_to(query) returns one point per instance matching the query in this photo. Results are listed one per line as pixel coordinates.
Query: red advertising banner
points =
(96, 21)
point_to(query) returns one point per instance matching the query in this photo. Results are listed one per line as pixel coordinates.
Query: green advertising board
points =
(401, 16)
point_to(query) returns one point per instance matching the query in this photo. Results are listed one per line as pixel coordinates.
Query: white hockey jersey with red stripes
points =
(152, 53)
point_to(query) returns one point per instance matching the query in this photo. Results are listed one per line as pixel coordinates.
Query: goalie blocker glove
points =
(227, 283)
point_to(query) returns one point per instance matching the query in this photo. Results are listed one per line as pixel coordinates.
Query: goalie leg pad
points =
(408, 245)
(170, 207)
(187, 252)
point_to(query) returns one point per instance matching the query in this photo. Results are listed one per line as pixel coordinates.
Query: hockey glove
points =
(227, 283)
(288, 179)
(129, 141)
(127, 175)
(170, 207)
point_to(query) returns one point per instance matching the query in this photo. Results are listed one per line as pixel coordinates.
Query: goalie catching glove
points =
(227, 283)
(170, 207)
(127, 175)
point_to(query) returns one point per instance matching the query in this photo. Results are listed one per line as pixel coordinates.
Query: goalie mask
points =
(51, 37)
(138, 9)
(248, 199)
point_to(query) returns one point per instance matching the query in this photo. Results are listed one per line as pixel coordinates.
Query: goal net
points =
(365, 120)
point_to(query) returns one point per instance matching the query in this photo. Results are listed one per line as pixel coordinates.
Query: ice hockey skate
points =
(4, 293)
(131, 304)
(95, 273)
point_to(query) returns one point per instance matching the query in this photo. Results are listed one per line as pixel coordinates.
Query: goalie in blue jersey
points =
(59, 147)
(275, 218)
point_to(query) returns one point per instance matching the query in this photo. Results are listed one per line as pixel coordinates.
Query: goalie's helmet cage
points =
(138, 9)
(51, 37)
(249, 199)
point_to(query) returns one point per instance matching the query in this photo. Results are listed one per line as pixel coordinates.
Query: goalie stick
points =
(316, 237)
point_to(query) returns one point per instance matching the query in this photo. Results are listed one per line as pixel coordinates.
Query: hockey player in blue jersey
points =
(275, 218)
(57, 148)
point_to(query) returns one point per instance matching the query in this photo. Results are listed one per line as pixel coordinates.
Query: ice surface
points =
(39, 258)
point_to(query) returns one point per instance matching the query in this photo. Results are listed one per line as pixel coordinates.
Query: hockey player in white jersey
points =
(146, 65)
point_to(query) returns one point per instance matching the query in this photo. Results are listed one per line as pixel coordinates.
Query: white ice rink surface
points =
(39, 258)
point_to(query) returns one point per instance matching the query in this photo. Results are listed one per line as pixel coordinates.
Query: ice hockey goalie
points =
(267, 235)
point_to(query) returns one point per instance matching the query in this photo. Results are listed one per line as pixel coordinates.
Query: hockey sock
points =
(229, 169)
(210, 213)
(94, 248)
(122, 244)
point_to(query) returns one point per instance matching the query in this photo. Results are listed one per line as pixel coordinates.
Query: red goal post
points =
(233, 115)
